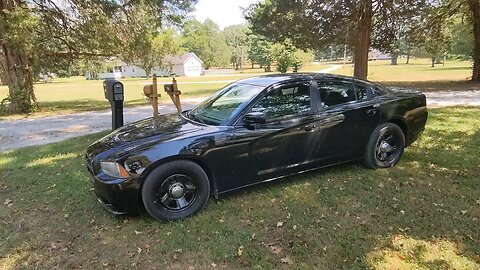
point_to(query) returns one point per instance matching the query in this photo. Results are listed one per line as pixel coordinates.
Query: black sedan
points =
(252, 131)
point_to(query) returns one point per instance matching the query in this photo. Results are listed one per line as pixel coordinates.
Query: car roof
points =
(267, 80)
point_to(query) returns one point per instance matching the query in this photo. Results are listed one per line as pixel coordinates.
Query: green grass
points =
(422, 214)
(69, 95)
(419, 70)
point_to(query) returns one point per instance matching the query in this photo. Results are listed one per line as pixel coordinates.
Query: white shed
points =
(187, 64)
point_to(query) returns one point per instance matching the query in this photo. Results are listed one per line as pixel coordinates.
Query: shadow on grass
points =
(83, 105)
(344, 217)
(439, 67)
(435, 86)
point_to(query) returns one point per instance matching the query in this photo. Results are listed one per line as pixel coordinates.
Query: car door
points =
(347, 117)
(281, 144)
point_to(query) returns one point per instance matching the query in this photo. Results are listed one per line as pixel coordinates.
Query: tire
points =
(385, 147)
(175, 190)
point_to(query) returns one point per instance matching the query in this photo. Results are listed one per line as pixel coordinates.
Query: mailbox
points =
(168, 88)
(174, 93)
(151, 92)
(114, 93)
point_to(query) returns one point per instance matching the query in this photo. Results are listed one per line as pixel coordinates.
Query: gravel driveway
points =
(37, 131)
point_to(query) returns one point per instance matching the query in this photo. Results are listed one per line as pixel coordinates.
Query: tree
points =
(437, 39)
(16, 63)
(286, 55)
(396, 32)
(317, 23)
(260, 52)
(470, 9)
(145, 45)
(283, 56)
(474, 8)
(207, 42)
(462, 41)
(300, 58)
(47, 34)
(236, 37)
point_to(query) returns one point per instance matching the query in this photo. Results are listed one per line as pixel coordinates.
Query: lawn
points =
(419, 70)
(68, 95)
(422, 214)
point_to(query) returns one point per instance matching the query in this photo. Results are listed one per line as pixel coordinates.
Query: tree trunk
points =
(433, 61)
(362, 46)
(408, 57)
(15, 66)
(474, 6)
(394, 60)
(268, 67)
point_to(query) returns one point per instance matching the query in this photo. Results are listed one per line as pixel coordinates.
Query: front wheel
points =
(385, 146)
(175, 190)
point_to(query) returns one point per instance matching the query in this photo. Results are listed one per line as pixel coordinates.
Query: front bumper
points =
(119, 196)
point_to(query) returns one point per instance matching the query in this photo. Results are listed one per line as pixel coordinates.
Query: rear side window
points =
(335, 93)
(361, 92)
(378, 91)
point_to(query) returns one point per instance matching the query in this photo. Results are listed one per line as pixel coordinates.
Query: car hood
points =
(149, 131)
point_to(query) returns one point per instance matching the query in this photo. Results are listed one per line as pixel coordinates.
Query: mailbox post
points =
(151, 92)
(174, 93)
(114, 93)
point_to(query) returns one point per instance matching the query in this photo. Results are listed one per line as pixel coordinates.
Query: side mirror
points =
(255, 118)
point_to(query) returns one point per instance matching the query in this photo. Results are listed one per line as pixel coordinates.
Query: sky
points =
(222, 12)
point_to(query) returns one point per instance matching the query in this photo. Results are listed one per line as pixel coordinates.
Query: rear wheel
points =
(385, 146)
(175, 190)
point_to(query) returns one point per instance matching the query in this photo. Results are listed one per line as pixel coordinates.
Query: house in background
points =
(187, 64)
(378, 55)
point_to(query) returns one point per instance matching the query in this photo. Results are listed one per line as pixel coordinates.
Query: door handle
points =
(309, 128)
(371, 111)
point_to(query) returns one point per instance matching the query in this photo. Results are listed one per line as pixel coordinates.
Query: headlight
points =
(114, 169)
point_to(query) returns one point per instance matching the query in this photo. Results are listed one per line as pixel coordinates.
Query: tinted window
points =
(378, 91)
(335, 93)
(287, 100)
(361, 92)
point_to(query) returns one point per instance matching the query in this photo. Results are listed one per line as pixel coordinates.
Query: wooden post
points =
(176, 96)
(154, 97)
(151, 91)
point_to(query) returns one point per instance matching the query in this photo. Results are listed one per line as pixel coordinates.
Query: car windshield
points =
(223, 105)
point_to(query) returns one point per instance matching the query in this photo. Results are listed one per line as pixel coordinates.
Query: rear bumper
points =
(119, 196)
(416, 125)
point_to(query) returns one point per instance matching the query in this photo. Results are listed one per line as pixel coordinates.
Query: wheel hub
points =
(385, 147)
(177, 190)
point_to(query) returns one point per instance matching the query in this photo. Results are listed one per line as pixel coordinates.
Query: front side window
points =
(292, 99)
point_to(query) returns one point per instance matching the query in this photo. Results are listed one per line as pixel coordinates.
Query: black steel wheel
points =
(385, 146)
(175, 190)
